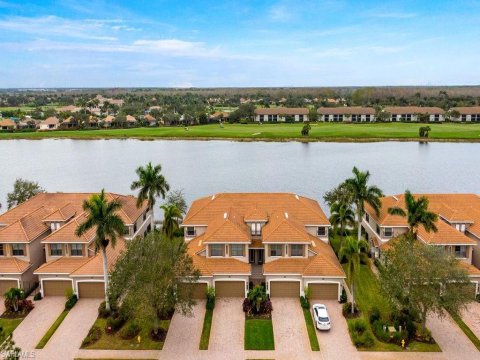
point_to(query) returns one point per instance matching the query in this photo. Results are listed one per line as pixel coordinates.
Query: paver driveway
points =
(335, 343)
(66, 341)
(2, 304)
(184, 333)
(35, 325)
(289, 329)
(471, 317)
(228, 326)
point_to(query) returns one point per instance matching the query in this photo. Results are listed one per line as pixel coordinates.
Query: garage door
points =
(323, 291)
(199, 290)
(6, 285)
(91, 290)
(285, 289)
(230, 289)
(56, 287)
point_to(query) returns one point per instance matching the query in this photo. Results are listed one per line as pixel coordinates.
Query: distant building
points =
(346, 113)
(411, 113)
(281, 114)
(7, 124)
(468, 113)
(51, 123)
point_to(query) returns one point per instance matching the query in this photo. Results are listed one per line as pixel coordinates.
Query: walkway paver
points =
(185, 330)
(35, 325)
(228, 326)
(289, 329)
(471, 317)
(2, 304)
(336, 343)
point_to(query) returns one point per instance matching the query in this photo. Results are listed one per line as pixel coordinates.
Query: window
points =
(256, 229)
(388, 232)
(55, 249)
(464, 118)
(367, 217)
(461, 251)
(296, 250)
(76, 250)
(276, 250)
(1, 250)
(217, 250)
(321, 231)
(237, 250)
(377, 228)
(300, 117)
(367, 118)
(356, 118)
(190, 231)
(18, 250)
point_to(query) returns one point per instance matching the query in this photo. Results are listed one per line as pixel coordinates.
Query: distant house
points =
(7, 124)
(468, 113)
(281, 114)
(347, 113)
(412, 113)
(27, 123)
(69, 108)
(219, 116)
(108, 121)
(131, 120)
(69, 123)
(150, 120)
(92, 122)
(51, 123)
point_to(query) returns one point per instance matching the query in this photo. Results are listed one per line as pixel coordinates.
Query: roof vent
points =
(296, 197)
(225, 215)
(286, 215)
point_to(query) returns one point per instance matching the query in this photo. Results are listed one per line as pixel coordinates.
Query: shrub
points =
(37, 297)
(304, 302)
(103, 312)
(247, 306)
(361, 337)
(374, 314)
(72, 300)
(266, 307)
(69, 293)
(359, 326)
(347, 310)
(378, 328)
(424, 335)
(115, 323)
(406, 320)
(398, 336)
(210, 298)
(129, 331)
(308, 292)
(343, 297)
(25, 306)
(94, 334)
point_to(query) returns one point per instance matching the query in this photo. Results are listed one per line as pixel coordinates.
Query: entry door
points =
(251, 256)
(260, 256)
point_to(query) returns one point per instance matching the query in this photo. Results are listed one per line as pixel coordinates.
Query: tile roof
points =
(399, 110)
(109, 119)
(13, 265)
(7, 122)
(281, 227)
(26, 228)
(63, 265)
(204, 210)
(66, 233)
(228, 227)
(467, 110)
(281, 111)
(255, 214)
(64, 213)
(446, 235)
(346, 110)
(52, 120)
(131, 118)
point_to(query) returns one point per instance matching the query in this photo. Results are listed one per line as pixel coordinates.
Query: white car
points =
(321, 317)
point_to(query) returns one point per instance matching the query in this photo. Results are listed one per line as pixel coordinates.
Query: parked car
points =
(321, 317)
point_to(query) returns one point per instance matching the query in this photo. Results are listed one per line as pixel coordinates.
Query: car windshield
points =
(323, 319)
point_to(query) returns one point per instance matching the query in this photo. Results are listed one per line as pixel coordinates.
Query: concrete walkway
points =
(35, 325)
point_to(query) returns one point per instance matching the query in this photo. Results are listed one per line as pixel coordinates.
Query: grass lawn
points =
(207, 326)
(320, 131)
(8, 325)
(473, 338)
(41, 344)
(115, 342)
(368, 295)
(259, 334)
(312, 332)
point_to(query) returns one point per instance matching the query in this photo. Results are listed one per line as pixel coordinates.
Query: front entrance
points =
(256, 256)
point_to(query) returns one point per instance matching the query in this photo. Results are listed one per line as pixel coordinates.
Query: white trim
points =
(54, 279)
(285, 280)
(76, 290)
(232, 280)
(340, 285)
(12, 279)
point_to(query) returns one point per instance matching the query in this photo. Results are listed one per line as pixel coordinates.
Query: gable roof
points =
(64, 213)
(346, 110)
(399, 110)
(66, 233)
(281, 227)
(13, 265)
(7, 122)
(281, 111)
(25, 229)
(52, 120)
(228, 227)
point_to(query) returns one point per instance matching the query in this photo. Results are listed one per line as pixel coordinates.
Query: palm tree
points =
(171, 216)
(102, 215)
(341, 216)
(351, 252)
(361, 194)
(14, 295)
(416, 213)
(151, 183)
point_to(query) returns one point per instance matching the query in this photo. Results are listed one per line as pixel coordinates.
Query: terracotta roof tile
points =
(281, 111)
(346, 110)
(64, 213)
(228, 227)
(446, 235)
(281, 227)
(399, 110)
(12, 265)
(25, 229)
(66, 233)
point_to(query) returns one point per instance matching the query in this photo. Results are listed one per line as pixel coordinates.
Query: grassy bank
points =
(273, 132)
(259, 334)
(52, 330)
(312, 332)
(207, 326)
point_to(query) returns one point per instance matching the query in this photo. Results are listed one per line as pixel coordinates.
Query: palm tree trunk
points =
(353, 298)
(359, 224)
(105, 277)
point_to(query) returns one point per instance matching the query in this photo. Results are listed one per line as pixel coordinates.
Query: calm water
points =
(206, 167)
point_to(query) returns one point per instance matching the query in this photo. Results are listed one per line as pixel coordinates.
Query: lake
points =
(206, 167)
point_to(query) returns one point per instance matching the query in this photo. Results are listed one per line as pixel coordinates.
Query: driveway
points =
(471, 317)
(184, 333)
(35, 325)
(335, 344)
(228, 326)
(66, 341)
(2, 305)
(289, 330)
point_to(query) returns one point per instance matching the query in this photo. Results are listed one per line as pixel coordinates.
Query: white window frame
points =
(292, 246)
(272, 246)
(20, 246)
(72, 250)
(57, 247)
(212, 246)
(385, 232)
(324, 231)
(188, 232)
(236, 247)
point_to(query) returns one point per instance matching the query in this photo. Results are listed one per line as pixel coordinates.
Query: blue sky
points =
(180, 43)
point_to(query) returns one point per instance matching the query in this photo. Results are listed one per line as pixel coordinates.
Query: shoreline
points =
(248, 139)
